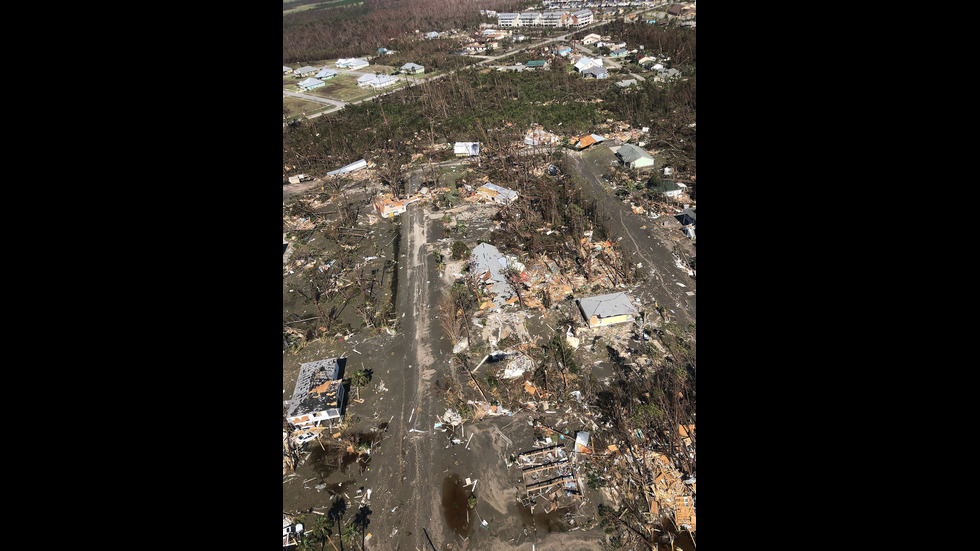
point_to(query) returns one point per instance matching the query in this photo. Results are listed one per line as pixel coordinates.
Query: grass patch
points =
(297, 106)
(343, 88)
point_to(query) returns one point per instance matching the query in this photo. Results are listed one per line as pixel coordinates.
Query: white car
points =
(304, 437)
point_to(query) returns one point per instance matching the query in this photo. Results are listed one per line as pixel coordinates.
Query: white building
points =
(352, 63)
(578, 18)
(319, 393)
(507, 20)
(466, 149)
(310, 84)
(581, 18)
(587, 63)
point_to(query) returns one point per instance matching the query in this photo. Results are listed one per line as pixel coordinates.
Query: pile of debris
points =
(670, 493)
(544, 275)
(489, 269)
(600, 266)
(388, 206)
(538, 136)
(296, 223)
(547, 473)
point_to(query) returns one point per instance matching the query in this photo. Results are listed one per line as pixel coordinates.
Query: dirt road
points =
(653, 242)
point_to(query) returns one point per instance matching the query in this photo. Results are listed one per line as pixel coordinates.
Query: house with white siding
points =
(352, 63)
(466, 149)
(586, 63)
(375, 81)
(319, 393)
(310, 84)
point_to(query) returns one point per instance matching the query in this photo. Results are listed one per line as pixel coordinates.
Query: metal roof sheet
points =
(607, 306)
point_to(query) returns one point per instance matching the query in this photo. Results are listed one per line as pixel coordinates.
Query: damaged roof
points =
(490, 267)
(507, 195)
(607, 306)
(317, 387)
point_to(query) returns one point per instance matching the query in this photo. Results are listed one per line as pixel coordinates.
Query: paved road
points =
(486, 60)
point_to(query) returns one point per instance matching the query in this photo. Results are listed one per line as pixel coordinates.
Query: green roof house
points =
(668, 188)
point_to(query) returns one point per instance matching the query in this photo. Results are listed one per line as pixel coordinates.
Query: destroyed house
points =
(608, 309)
(319, 393)
(497, 194)
(357, 165)
(589, 139)
(690, 217)
(489, 269)
(388, 207)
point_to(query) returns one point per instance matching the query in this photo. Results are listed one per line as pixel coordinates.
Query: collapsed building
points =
(497, 194)
(489, 271)
(388, 207)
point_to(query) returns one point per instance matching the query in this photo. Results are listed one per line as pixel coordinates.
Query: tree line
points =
(491, 107)
(353, 30)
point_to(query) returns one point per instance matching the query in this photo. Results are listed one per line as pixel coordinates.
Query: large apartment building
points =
(579, 18)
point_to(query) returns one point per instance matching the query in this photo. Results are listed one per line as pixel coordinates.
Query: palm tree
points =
(350, 533)
(315, 538)
(360, 378)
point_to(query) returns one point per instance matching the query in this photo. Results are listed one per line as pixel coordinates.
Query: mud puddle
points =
(330, 459)
(454, 507)
(540, 520)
